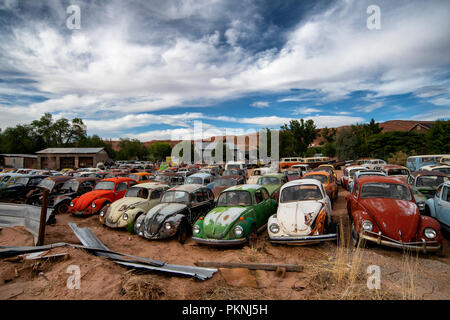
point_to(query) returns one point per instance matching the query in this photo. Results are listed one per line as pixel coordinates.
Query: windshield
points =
(47, 184)
(233, 166)
(71, 185)
(269, 181)
(23, 181)
(353, 172)
(319, 177)
(443, 170)
(301, 193)
(398, 172)
(194, 180)
(430, 181)
(137, 192)
(176, 196)
(385, 190)
(104, 185)
(162, 178)
(234, 198)
(232, 172)
(223, 182)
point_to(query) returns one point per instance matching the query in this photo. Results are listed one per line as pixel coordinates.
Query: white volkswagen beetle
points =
(303, 215)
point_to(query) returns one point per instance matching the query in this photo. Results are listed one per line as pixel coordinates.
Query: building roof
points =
(71, 150)
(19, 155)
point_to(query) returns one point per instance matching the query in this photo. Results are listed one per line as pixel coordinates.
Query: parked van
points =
(414, 163)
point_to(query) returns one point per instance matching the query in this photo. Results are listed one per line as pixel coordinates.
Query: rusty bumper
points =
(424, 246)
(303, 240)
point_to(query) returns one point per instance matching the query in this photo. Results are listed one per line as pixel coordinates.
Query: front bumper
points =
(303, 240)
(424, 246)
(219, 242)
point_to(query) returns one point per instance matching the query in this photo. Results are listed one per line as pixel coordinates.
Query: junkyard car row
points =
(226, 205)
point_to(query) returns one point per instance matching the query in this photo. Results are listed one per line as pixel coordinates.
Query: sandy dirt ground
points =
(331, 270)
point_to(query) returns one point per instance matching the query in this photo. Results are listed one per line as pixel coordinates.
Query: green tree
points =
(96, 141)
(159, 151)
(131, 149)
(296, 137)
(438, 137)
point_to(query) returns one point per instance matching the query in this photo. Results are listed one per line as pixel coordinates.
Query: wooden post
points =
(43, 219)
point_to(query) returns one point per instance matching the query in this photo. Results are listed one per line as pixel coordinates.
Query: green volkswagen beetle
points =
(242, 211)
(273, 182)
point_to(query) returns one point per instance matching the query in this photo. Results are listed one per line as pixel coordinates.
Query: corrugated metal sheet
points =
(12, 215)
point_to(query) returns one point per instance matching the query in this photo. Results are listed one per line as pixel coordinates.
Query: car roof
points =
(245, 187)
(118, 179)
(323, 173)
(234, 177)
(380, 179)
(187, 187)
(393, 166)
(59, 178)
(430, 173)
(200, 175)
(301, 182)
(150, 185)
(274, 175)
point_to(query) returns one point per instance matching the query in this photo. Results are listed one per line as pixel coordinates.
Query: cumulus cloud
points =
(129, 59)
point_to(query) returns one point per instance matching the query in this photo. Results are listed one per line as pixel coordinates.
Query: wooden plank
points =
(250, 266)
(43, 220)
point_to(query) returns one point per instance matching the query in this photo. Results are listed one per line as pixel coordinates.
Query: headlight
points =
(93, 204)
(138, 225)
(167, 226)
(421, 205)
(125, 217)
(367, 225)
(430, 233)
(71, 204)
(196, 229)
(238, 231)
(274, 228)
(102, 214)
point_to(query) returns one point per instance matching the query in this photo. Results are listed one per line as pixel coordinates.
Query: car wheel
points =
(355, 237)
(183, 232)
(252, 237)
(62, 208)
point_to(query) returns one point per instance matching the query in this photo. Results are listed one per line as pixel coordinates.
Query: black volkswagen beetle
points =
(71, 189)
(180, 207)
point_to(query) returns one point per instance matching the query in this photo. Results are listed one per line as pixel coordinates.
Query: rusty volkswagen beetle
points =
(382, 210)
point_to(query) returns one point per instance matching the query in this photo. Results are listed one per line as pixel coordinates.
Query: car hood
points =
(86, 199)
(292, 216)
(116, 213)
(394, 217)
(219, 220)
(156, 216)
(272, 187)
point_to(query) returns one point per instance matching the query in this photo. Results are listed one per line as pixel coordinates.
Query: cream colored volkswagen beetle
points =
(138, 200)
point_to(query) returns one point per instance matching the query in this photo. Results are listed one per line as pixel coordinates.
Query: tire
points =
(183, 232)
(252, 237)
(62, 208)
(355, 237)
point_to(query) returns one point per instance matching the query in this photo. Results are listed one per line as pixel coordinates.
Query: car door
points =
(121, 189)
(269, 205)
(154, 199)
(260, 209)
(443, 206)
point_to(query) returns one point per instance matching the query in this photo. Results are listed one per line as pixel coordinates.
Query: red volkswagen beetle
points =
(382, 210)
(106, 191)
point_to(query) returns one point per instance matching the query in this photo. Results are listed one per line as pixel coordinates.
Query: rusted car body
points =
(105, 192)
(18, 191)
(349, 172)
(170, 178)
(137, 201)
(427, 182)
(328, 181)
(225, 182)
(70, 190)
(141, 177)
(382, 210)
(303, 215)
(180, 207)
(52, 184)
(396, 171)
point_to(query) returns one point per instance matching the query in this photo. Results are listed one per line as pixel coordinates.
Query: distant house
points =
(61, 158)
(421, 127)
(28, 161)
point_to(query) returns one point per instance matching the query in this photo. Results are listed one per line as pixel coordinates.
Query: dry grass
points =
(410, 261)
(142, 288)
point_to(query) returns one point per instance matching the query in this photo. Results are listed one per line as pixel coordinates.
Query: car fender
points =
(429, 222)
(360, 215)
(430, 204)
(99, 202)
(61, 200)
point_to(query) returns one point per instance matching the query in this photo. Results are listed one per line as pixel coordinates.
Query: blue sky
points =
(155, 69)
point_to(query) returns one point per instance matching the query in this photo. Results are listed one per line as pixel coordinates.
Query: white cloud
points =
(306, 110)
(441, 102)
(260, 104)
(369, 108)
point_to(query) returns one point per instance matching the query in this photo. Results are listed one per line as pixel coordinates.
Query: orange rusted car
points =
(141, 177)
(328, 181)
